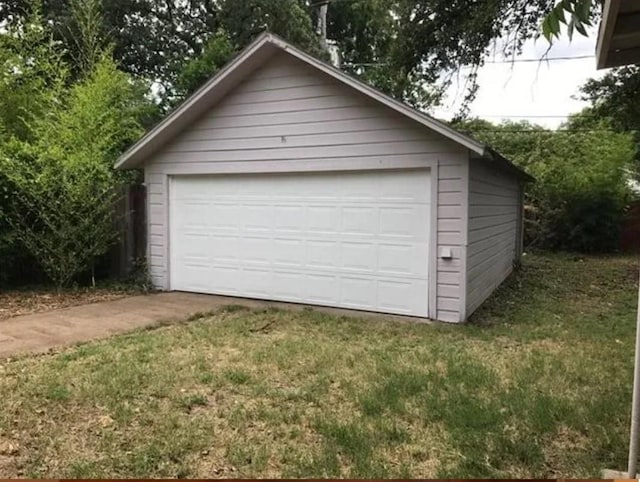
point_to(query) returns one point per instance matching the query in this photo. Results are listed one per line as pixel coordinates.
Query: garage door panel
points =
(257, 217)
(393, 296)
(323, 289)
(289, 252)
(359, 220)
(322, 254)
(256, 282)
(400, 221)
(289, 286)
(358, 293)
(323, 219)
(226, 281)
(355, 240)
(359, 257)
(289, 218)
(408, 260)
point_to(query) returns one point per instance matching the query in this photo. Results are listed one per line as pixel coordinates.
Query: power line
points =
(539, 131)
(528, 116)
(542, 59)
(492, 62)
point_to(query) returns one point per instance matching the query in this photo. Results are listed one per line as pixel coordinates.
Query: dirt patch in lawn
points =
(25, 302)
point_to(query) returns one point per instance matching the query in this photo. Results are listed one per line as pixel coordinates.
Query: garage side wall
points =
(494, 230)
(289, 117)
(453, 173)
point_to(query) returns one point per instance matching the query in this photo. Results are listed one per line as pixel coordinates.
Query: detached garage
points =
(284, 179)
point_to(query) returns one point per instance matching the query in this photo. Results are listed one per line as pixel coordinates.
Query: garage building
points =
(285, 179)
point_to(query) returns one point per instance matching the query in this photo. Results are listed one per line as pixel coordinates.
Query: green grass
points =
(537, 386)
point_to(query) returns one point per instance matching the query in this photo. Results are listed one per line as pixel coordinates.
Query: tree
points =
(616, 97)
(217, 52)
(32, 73)
(582, 176)
(32, 76)
(407, 48)
(412, 49)
(574, 14)
(65, 185)
(60, 138)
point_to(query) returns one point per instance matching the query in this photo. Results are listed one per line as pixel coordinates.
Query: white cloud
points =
(541, 92)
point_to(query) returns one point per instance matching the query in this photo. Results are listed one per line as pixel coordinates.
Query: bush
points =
(582, 188)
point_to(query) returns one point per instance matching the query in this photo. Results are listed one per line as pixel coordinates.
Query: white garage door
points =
(353, 240)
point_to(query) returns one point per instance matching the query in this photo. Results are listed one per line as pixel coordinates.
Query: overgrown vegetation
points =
(531, 389)
(76, 77)
(59, 144)
(407, 48)
(583, 177)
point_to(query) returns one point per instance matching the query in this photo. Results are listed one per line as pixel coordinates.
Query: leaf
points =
(580, 28)
(554, 23)
(570, 28)
(546, 29)
(583, 11)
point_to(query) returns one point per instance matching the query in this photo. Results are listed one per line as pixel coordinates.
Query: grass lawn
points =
(537, 386)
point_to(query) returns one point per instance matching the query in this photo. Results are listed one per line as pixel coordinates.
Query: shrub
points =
(583, 172)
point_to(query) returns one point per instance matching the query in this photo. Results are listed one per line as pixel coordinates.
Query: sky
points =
(530, 90)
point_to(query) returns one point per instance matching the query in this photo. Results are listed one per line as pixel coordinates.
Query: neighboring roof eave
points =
(610, 11)
(154, 139)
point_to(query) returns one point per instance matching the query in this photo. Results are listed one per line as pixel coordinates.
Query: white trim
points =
(144, 148)
(168, 186)
(314, 165)
(464, 242)
(433, 244)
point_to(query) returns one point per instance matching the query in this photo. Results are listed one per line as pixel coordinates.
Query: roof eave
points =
(605, 34)
(494, 156)
(188, 109)
(428, 121)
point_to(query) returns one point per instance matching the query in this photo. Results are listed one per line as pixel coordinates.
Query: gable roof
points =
(250, 59)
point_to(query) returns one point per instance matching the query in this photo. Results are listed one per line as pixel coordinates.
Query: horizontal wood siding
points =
(287, 116)
(452, 171)
(494, 223)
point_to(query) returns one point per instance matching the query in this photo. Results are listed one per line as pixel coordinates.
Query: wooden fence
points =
(130, 215)
(630, 236)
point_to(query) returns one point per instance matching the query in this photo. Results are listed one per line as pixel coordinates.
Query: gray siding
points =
(287, 116)
(495, 211)
(452, 198)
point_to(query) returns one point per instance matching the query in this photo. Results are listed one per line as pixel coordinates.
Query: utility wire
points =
(542, 59)
(528, 116)
(540, 131)
(512, 61)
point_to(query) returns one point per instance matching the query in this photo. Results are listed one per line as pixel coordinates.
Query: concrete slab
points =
(616, 475)
(41, 332)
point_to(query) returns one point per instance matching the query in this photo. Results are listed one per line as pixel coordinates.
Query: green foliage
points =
(57, 183)
(290, 19)
(32, 78)
(582, 176)
(616, 96)
(574, 14)
(66, 188)
(32, 74)
(89, 42)
(217, 52)
(408, 48)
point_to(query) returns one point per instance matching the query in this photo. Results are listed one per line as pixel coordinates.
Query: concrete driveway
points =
(40, 332)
